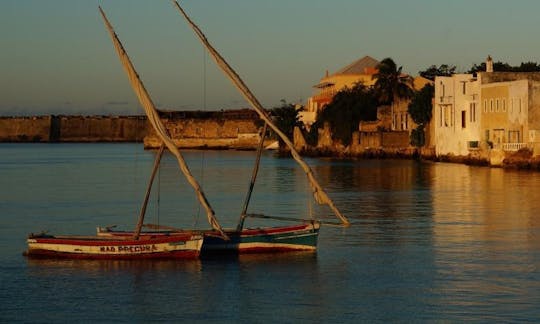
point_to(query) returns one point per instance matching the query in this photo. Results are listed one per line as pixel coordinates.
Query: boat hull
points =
(301, 237)
(96, 247)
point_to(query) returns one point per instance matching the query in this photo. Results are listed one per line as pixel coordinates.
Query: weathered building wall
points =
(370, 140)
(25, 129)
(456, 114)
(395, 139)
(534, 109)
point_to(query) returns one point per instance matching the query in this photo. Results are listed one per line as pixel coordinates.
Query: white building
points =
(489, 112)
(456, 115)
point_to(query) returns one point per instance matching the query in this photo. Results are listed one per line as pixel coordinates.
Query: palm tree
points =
(392, 85)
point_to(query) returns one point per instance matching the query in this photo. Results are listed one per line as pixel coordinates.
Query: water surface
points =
(429, 242)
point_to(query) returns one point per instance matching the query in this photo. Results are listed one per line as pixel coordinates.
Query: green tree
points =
(420, 108)
(442, 70)
(528, 67)
(505, 67)
(347, 108)
(391, 84)
(286, 118)
(497, 66)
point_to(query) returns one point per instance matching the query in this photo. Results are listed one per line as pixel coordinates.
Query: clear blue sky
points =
(56, 56)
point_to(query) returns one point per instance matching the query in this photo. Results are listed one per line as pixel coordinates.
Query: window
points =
(497, 105)
(406, 121)
(463, 118)
(490, 105)
(472, 112)
(513, 137)
(503, 104)
(485, 105)
(498, 135)
(519, 104)
(441, 115)
(464, 84)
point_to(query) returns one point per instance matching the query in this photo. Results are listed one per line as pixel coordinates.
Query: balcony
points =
(512, 147)
(509, 147)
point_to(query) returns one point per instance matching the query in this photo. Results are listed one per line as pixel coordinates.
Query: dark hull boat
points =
(265, 240)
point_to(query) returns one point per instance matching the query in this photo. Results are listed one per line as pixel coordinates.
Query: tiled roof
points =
(361, 66)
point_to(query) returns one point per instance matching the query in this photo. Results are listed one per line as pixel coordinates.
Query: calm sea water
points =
(429, 242)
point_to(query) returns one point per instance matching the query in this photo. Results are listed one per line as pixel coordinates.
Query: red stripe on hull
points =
(100, 241)
(186, 254)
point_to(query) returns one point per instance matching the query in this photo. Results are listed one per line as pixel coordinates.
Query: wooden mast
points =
(320, 195)
(148, 190)
(253, 178)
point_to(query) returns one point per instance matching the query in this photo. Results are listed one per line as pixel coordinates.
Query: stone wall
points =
(204, 128)
(25, 129)
(101, 128)
(221, 133)
(370, 140)
(72, 129)
(219, 129)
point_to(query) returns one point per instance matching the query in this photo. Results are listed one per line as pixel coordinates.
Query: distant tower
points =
(489, 64)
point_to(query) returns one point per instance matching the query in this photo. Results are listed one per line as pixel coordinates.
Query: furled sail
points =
(320, 195)
(153, 118)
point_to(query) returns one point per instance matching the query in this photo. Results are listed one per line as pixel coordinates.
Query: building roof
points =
(365, 65)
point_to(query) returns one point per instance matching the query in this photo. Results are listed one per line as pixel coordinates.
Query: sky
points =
(57, 58)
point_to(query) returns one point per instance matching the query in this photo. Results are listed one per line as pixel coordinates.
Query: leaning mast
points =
(153, 118)
(318, 192)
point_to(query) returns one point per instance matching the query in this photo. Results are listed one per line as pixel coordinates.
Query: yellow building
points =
(488, 114)
(505, 107)
(361, 70)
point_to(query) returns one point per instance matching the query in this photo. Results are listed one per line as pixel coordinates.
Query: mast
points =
(148, 190)
(320, 195)
(153, 118)
(243, 214)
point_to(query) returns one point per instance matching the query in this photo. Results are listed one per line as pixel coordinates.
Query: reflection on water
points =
(486, 238)
(429, 241)
(44, 266)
